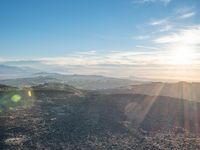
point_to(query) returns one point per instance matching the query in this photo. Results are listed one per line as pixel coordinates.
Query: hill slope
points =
(60, 120)
(181, 90)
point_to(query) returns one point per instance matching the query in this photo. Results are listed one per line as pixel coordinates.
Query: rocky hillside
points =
(59, 119)
(6, 87)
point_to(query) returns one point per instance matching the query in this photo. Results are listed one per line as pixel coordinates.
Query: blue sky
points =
(100, 35)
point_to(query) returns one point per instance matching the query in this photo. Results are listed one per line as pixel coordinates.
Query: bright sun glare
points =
(183, 55)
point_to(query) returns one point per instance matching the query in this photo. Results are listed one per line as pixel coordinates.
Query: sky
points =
(122, 38)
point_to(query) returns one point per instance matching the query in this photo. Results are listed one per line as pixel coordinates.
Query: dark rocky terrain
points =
(53, 116)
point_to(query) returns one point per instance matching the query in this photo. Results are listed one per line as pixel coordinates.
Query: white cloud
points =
(159, 22)
(172, 22)
(185, 12)
(184, 9)
(87, 53)
(142, 62)
(189, 36)
(162, 25)
(165, 2)
(188, 15)
(141, 37)
(166, 28)
(172, 38)
(143, 56)
(1, 59)
(147, 47)
(111, 58)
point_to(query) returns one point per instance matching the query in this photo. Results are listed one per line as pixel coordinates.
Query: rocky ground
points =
(60, 120)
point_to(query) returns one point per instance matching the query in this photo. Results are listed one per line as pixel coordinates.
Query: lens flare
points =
(29, 93)
(16, 98)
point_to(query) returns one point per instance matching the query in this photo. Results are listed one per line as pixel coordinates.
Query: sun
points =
(183, 55)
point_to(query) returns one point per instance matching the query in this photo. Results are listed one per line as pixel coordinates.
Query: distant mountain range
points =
(7, 72)
(88, 82)
(20, 77)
